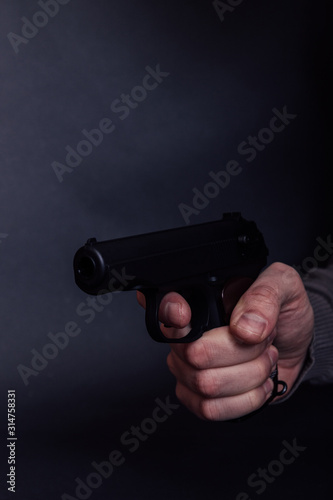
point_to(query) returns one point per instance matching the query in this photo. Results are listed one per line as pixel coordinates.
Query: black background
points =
(224, 80)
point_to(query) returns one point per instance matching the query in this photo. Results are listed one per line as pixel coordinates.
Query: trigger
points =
(199, 304)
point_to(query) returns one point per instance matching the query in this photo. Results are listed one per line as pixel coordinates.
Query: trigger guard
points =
(199, 320)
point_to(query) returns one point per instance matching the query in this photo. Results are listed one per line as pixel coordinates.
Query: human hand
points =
(226, 373)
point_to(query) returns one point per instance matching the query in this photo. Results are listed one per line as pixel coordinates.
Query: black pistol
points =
(210, 265)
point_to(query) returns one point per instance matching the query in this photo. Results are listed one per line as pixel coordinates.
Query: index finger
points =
(218, 348)
(174, 314)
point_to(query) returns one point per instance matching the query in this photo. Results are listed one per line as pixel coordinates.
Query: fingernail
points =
(172, 310)
(252, 323)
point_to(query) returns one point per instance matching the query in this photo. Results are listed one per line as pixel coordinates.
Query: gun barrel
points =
(187, 255)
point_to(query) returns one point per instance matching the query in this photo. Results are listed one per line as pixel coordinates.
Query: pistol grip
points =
(211, 307)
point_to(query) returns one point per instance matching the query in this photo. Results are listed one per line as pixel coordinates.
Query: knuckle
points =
(281, 268)
(196, 354)
(255, 399)
(284, 269)
(263, 369)
(264, 294)
(206, 383)
(287, 273)
(209, 410)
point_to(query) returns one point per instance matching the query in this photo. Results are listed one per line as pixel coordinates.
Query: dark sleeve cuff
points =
(318, 365)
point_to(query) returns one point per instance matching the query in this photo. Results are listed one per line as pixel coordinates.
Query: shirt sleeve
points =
(319, 286)
(318, 366)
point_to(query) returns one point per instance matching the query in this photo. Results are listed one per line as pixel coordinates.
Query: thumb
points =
(256, 314)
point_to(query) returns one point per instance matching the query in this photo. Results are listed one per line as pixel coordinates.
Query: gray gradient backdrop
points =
(224, 80)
